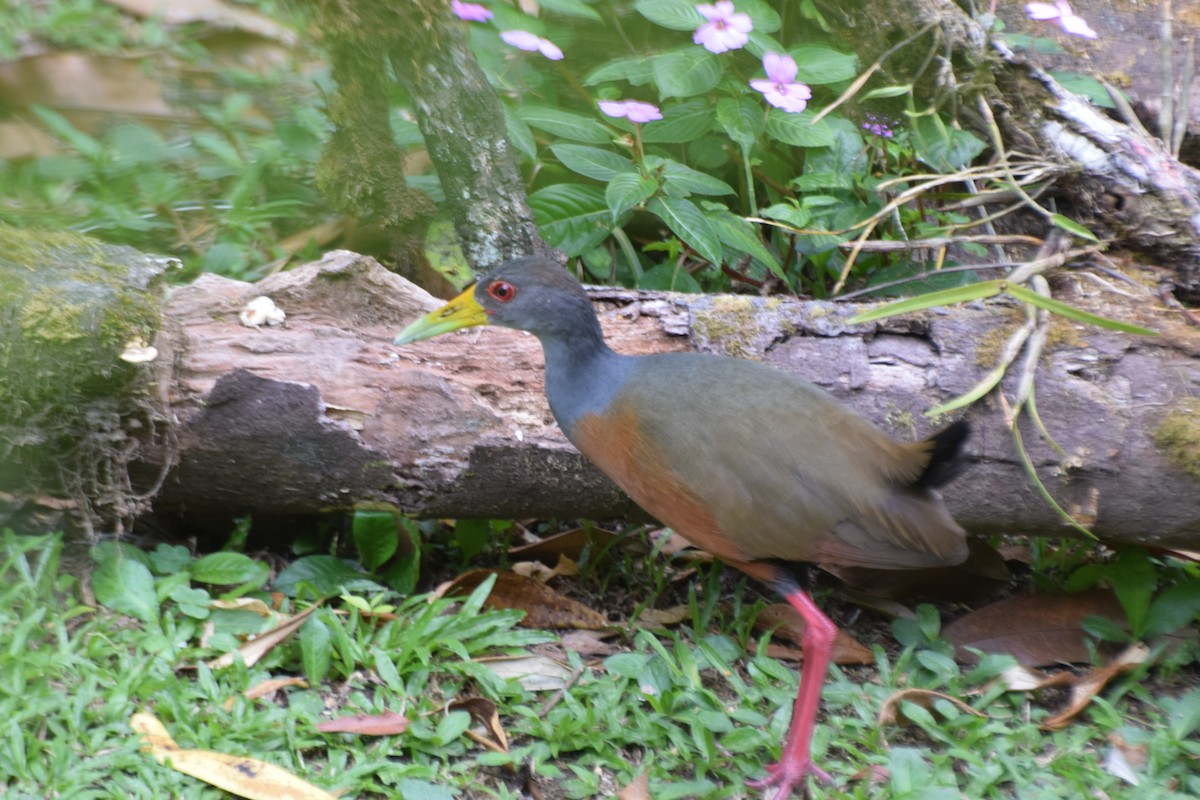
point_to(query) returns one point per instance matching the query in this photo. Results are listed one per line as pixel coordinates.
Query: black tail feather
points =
(945, 456)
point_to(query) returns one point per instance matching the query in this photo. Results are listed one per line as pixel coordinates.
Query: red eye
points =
(501, 291)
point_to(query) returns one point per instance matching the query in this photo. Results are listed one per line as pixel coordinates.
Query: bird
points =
(758, 467)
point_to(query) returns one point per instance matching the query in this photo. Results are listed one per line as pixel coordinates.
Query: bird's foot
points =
(787, 774)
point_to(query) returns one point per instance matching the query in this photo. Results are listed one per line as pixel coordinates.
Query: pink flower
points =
(1068, 20)
(525, 40)
(471, 12)
(725, 29)
(634, 110)
(781, 88)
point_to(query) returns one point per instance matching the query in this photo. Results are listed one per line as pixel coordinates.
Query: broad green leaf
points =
(760, 44)
(1176, 607)
(376, 535)
(682, 180)
(571, 217)
(126, 586)
(519, 134)
(61, 127)
(1133, 579)
(472, 536)
(225, 568)
(452, 726)
(570, 8)
(682, 122)
(316, 650)
(788, 213)
(403, 572)
(603, 165)
(765, 18)
(627, 191)
(637, 71)
(960, 294)
(945, 149)
(678, 15)
(740, 235)
(688, 223)
(575, 127)
(820, 65)
(1071, 312)
(1072, 227)
(669, 277)
(816, 181)
(167, 559)
(798, 129)
(110, 550)
(326, 574)
(684, 73)
(1085, 85)
(742, 121)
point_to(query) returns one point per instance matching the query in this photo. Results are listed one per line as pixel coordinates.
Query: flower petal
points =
(1042, 11)
(472, 12)
(550, 50)
(780, 68)
(523, 40)
(1077, 26)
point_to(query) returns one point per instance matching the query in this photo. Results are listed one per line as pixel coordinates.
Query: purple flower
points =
(780, 88)
(634, 110)
(878, 126)
(525, 40)
(471, 12)
(1060, 10)
(725, 29)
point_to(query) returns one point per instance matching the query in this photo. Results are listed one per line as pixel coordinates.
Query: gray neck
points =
(582, 376)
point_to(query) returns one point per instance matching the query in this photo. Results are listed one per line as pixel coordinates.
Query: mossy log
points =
(324, 411)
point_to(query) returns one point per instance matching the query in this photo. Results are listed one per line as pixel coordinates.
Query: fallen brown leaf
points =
(1092, 682)
(387, 723)
(572, 544)
(975, 580)
(889, 712)
(262, 644)
(543, 607)
(588, 643)
(535, 673)
(663, 617)
(267, 687)
(1036, 629)
(483, 712)
(637, 789)
(789, 625)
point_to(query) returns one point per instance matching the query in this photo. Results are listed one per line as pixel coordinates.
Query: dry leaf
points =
(789, 625)
(638, 789)
(243, 604)
(1125, 760)
(213, 12)
(244, 777)
(535, 673)
(534, 569)
(1089, 684)
(262, 644)
(483, 712)
(543, 607)
(975, 580)
(662, 617)
(387, 723)
(588, 643)
(268, 687)
(889, 712)
(572, 543)
(1036, 629)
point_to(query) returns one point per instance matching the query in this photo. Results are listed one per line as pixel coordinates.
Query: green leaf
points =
(225, 568)
(740, 235)
(519, 134)
(886, 91)
(168, 559)
(820, 65)
(119, 551)
(1087, 86)
(742, 121)
(472, 536)
(1072, 227)
(376, 535)
(192, 602)
(404, 571)
(575, 127)
(628, 191)
(571, 217)
(1071, 312)
(960, 294)
(603, 165)
(414, 789)
(637, 71)
(788, 213)
(682, 180)
(688, 223)
(798, 129)
(944, 149)
(682, 122)
(678, 15)
(765, 18)
(627, 665)
(61, 127)
(452, 726)
(570, 8)
(316, 651)
(326, 574)
(669, 277)
(1133, 579)
(684, 73)
(126, 586)
(1176, 608)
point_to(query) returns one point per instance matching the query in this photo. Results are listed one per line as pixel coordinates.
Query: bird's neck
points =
(582, 374)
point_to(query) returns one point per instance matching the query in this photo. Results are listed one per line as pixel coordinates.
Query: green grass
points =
(696, 707)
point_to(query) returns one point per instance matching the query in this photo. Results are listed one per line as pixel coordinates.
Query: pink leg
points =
(796, 761)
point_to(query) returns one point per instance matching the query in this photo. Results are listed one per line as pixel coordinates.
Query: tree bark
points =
(324, 411)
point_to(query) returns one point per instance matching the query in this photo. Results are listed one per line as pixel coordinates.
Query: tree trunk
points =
(325, 411)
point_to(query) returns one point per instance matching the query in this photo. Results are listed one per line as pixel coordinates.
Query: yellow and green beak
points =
(461, 312)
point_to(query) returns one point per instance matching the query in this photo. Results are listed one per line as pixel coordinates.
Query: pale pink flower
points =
(1061, 11)
(524, 40)
(471, 12)
(634, 110)
(726, 29)
(781, 88)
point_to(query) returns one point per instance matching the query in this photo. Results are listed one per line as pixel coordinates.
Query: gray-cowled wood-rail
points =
(756, 466)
